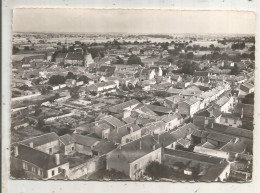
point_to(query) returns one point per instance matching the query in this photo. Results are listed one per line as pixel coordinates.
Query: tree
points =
(70, 75)
(235, 70)
(190, 55)
(15, 50)
(133, 59)
(249, 99)
(119, 60)
(156, 171)
(74, 92)
(84, 79)
(18, 173)
(40, 124)
(26, 48)
(63, 131)
(188, 68)
(57, 79)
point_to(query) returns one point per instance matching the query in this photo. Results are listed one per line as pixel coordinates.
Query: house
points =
(224, 104)
(176, 78)
(132, 158)
(245, 89)
(103, 148)
(146, 74)
(74, 58)
(125, 134)
(202, 73)
(157, 127)
(158, 70)
(189, 163)
(60, 58)
(246, 136)
(125, 106)
(103, 87)
(160, 110)
(49, 56)
(48, 143)
(67, 144)
(106, 70)
(83, 144)
(39, 164)
(230, 119)
(219, 173)
(189, 107)
(172, 101)
(206, 116)
(172, 121)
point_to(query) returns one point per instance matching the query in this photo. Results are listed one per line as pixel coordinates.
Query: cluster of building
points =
(123, 117)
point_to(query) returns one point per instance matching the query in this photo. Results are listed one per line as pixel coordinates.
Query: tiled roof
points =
(192, 156)
(223, 100)
(66, 139)
(201, 73)
(234, 131)
(41, 140)
(120, 107)
(139, 148)
(75, 56)
(84, 140)
(104, 147)
(166, 139)
(38, 158)
(214, 172)
(159, 109)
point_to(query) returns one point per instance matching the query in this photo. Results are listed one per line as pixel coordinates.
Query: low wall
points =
(90, 166)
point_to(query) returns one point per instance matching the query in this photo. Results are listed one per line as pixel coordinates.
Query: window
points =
(135, 166)
(33, 169)
(50, 150)
(157, 156)
(25, 166)
(53, 172)
(41, 173)
(72, 148)
(235, 121)
(226, 120)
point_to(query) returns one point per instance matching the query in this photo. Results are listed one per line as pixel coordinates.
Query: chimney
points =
(140, 145)
(211, 125)
(242, 113)
(57, 159)
(16, 152)
(31, 144)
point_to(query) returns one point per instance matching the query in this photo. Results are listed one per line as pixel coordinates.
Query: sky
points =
(133, 21)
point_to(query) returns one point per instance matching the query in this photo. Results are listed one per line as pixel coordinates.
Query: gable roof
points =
(132, 151)
(159, 109)
(41, 139)
(234, 131)
(61, 55)
(84, 140)
(104, 147)
(214, 172)
(109, 70)
(74, 56)
(201, 73)
(120, 107)
(209, 112)
(166, 139)
(222, 101)
(38, 158)
(66, 139)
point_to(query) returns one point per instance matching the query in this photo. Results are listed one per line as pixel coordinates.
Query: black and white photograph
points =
(132, 95)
